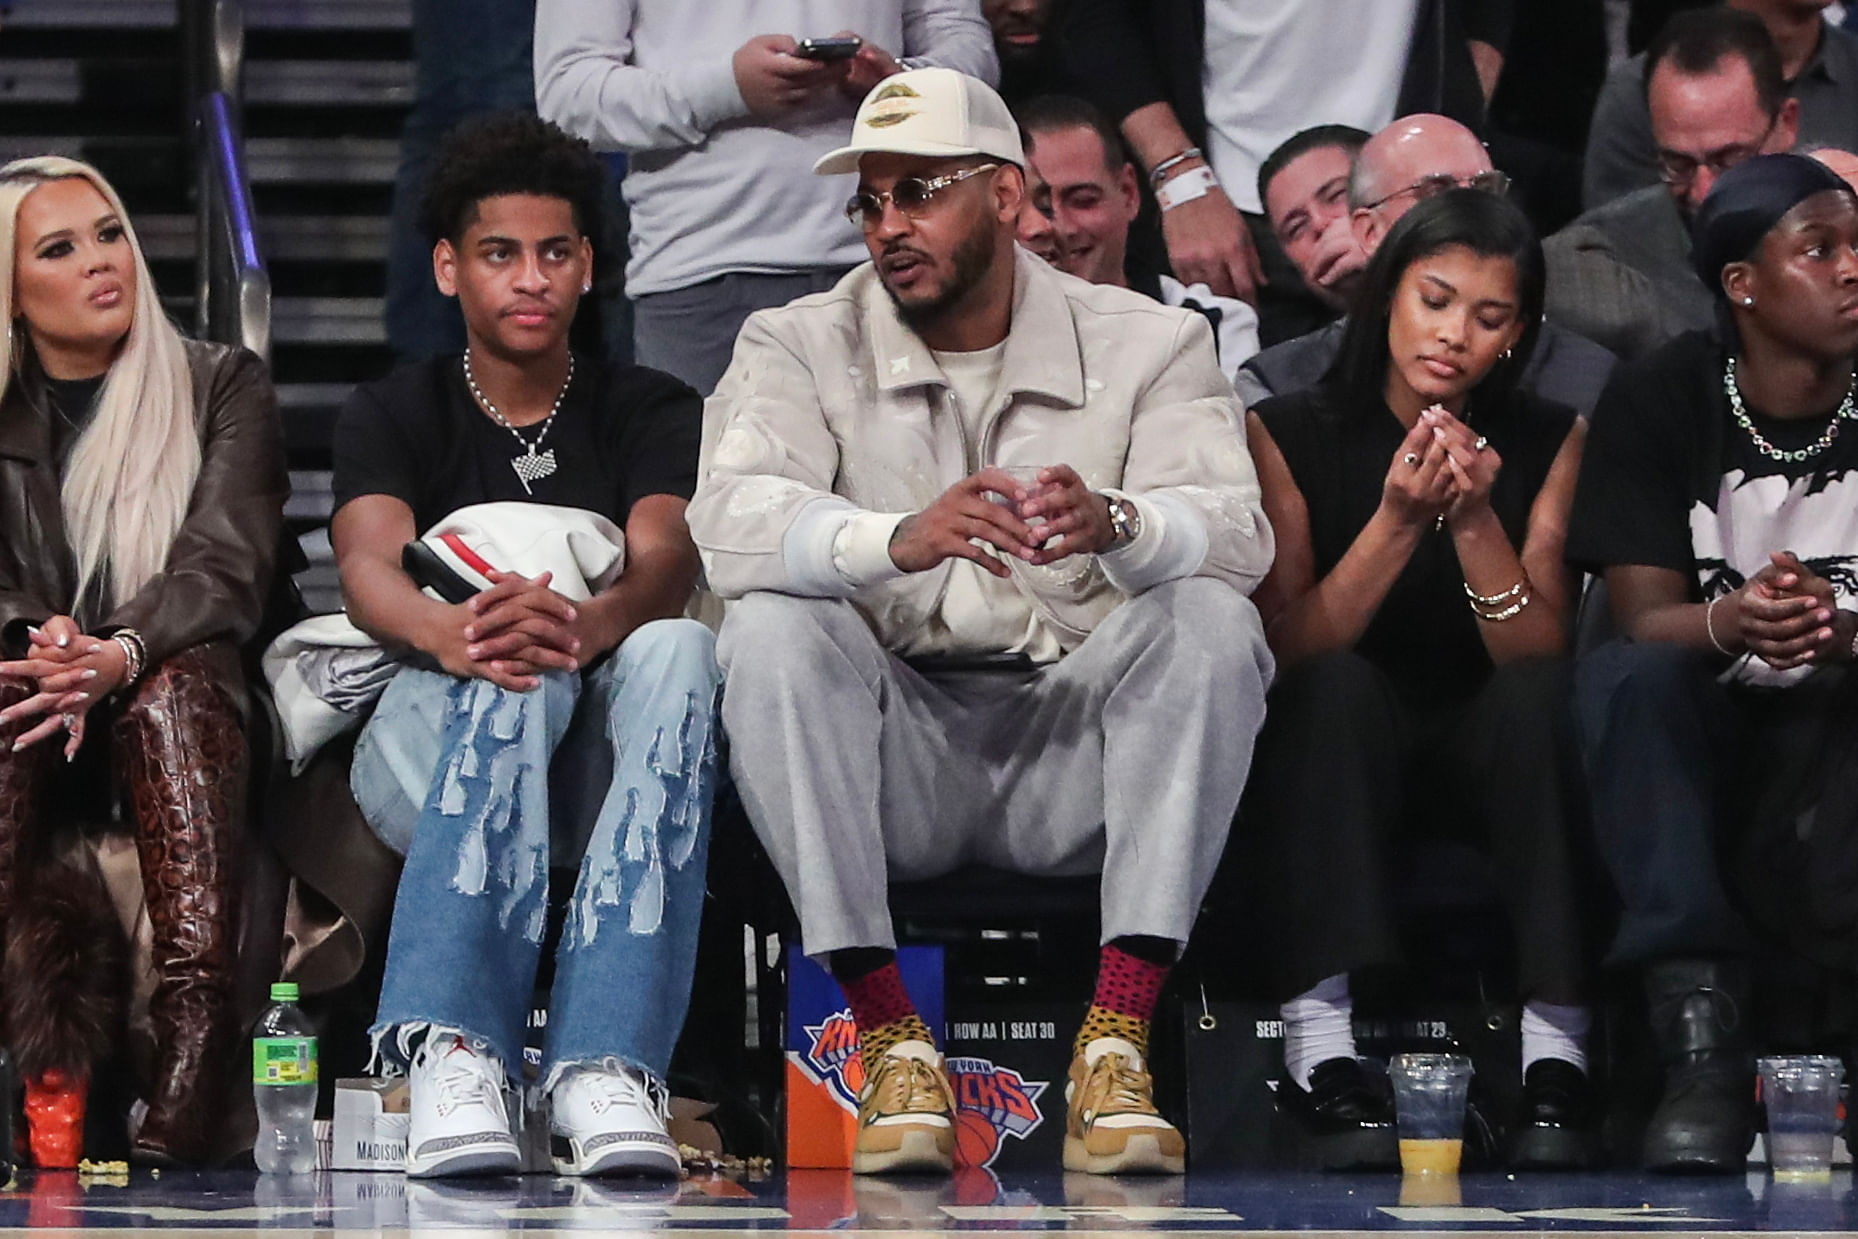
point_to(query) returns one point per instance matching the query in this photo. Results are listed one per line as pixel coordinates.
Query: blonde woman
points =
(141, 492)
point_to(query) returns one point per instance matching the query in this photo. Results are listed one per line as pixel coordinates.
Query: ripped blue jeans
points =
(455, 774)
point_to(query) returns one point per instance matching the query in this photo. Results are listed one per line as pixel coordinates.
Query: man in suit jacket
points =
(1621, 274)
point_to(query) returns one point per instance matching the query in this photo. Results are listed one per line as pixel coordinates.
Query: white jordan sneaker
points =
(610, 1119)
(459, 1123)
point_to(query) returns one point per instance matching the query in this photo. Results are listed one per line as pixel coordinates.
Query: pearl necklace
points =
(530, 467)
(1846, 412)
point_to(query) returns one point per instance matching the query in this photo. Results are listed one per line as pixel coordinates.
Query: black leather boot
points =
(1705, 1122)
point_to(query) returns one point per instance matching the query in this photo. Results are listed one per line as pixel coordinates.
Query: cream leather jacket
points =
(833, 403)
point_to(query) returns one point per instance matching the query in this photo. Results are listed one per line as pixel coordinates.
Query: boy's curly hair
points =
(509, 153)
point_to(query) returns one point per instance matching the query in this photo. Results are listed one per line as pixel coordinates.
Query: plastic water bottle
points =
(284, 1085)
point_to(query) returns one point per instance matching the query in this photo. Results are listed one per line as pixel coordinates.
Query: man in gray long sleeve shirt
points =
(722, 129)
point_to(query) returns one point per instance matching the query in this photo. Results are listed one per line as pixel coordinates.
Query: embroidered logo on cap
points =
(898, 96)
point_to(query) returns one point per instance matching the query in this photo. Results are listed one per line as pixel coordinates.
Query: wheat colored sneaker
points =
(906, 1114)
(1112, 1126)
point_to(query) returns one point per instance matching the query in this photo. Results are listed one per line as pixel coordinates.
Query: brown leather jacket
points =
(218, 574)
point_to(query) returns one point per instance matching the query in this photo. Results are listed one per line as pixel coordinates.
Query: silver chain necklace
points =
(532, 466)
(1846, 412)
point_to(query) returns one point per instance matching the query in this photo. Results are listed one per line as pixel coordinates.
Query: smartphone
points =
(828, 49)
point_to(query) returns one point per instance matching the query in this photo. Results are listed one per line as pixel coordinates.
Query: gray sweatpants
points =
(1125, 758)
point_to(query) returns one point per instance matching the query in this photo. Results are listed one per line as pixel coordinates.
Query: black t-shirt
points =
(1338, 449)
(73, 403)
(1669, 480)
(622, 433)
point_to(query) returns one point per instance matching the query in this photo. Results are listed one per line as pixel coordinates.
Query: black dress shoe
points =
(1706, 1121)
(1347, 1115)
(1558, 1128)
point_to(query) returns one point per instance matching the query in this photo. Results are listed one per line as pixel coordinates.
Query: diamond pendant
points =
(533, 467)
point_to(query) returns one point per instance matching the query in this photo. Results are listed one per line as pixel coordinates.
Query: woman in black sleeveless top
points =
(1419, 609)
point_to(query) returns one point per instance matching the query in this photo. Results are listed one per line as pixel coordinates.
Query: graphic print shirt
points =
(1670, 480)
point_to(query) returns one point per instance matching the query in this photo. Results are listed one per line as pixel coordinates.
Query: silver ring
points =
(1481, 444)
(70, 721)
(1411, 458)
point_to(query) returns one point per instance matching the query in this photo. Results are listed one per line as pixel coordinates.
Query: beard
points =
(973, 256)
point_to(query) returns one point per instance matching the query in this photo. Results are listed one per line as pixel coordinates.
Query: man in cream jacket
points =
(985, 533)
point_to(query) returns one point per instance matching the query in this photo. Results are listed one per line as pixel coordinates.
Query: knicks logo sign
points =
(833, 1058)
(992, 1103)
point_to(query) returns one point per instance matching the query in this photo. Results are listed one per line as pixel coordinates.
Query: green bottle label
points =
(284, 1060)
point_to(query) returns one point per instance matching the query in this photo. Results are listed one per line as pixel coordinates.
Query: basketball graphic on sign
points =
(991, 1103)
(977, 1140)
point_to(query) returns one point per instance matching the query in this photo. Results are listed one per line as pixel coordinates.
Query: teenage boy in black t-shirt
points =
(1719, 499)
(453, 769)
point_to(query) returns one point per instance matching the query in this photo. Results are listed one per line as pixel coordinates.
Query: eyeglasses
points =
(911, 195)
(1678, 170)
(1432, 186)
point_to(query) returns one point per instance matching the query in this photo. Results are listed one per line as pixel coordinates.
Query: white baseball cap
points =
(938, 112)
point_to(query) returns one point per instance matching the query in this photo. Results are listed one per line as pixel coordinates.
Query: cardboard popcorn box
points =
(369, 1130)
(824, 1068)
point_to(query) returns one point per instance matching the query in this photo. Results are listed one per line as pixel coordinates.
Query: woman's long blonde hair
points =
(131, 473)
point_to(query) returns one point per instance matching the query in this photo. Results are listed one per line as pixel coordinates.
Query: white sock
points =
(1551, 1031)
(1318, 1026)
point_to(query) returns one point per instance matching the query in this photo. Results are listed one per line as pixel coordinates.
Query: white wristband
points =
(1191, 184)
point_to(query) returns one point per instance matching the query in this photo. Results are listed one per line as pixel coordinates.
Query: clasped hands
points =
(1441, 469)
(71, 672)
(511, 633)
(963, 523)
(1787, 616)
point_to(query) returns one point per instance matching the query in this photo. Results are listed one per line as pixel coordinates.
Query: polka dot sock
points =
(1128, 988)
(883, 1011)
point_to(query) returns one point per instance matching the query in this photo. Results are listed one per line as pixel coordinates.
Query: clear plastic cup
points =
(1429, 1098)
(1026, 475)
(1431, 1191)
(1801, 1093)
